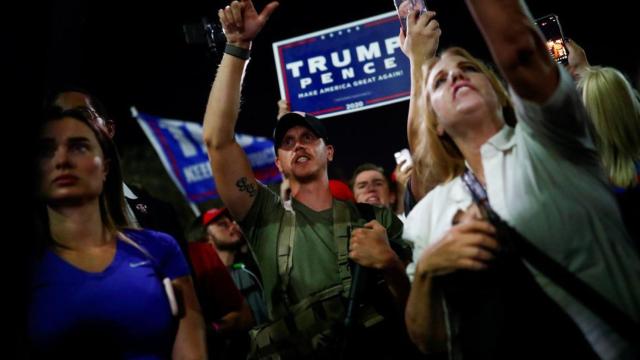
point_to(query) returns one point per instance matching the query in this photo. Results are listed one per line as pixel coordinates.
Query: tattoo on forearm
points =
(244, 185)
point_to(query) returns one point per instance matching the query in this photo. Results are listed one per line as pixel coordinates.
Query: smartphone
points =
(403, 157)
(556, 43)
(405, 7)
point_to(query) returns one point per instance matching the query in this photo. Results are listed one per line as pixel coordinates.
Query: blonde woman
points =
(542, 177)
(614, 108)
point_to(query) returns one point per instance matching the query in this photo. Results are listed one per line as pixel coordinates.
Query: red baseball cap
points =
(213, 214)
(341, 191)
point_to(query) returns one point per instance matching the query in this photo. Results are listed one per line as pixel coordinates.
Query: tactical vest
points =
(312, 327)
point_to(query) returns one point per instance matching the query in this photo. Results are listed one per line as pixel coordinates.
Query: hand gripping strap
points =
(341, 233)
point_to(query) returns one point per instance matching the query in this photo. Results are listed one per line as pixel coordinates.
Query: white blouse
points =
(544, 178)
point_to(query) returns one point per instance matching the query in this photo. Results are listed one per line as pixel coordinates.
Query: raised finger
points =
(236, 11)
(228, 13)
(265, 14)
(224, 21)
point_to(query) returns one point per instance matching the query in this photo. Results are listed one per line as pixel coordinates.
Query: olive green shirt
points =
(315, 257)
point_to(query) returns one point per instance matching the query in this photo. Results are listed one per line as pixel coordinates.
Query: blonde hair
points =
(437, 158)
(614, 109)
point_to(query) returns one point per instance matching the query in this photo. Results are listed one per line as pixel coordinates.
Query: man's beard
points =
(308, 177)
(228, 246)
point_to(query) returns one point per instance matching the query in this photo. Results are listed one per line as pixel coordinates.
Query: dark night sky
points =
(134, 53)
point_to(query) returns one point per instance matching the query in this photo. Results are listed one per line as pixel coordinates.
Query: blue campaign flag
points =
(343, 69)
(182, 151)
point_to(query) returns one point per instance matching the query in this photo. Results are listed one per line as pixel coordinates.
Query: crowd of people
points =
(513, 234)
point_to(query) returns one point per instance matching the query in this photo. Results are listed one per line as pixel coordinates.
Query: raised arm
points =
(420, 45)
(231, 169)
(517, 47)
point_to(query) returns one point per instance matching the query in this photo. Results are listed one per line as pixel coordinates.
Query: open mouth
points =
(460, 86)
(372, 199)
(301, 159)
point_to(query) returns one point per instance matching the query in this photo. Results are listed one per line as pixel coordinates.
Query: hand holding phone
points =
(556, 42)
(405, 7)
(403, 158)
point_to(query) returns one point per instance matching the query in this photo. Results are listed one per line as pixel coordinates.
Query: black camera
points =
(205, 32)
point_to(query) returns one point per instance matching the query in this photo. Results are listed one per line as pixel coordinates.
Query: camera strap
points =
(580, 290)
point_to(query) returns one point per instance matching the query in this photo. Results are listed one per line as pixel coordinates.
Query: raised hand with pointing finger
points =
(241, 21)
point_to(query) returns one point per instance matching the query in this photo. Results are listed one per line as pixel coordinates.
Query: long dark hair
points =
(112, 203)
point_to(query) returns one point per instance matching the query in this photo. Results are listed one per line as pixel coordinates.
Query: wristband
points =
(236, 51)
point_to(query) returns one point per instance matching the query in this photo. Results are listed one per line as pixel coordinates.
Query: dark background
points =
(134, 54)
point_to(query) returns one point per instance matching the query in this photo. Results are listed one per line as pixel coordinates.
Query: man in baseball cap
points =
(292, 119)
(223, 233)
(317, 264)
(226, 237)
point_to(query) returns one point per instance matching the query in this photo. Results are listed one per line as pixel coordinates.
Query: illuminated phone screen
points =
(405, 7)
(550, 27)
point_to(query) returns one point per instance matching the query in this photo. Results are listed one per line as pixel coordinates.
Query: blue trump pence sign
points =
(343, 69)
